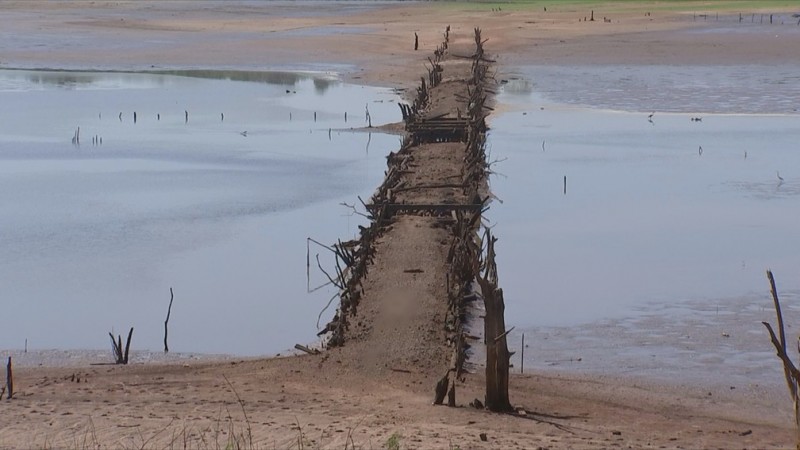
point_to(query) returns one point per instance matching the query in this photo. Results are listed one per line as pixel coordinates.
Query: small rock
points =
(745, 433)
(483, 437)
(617, 433)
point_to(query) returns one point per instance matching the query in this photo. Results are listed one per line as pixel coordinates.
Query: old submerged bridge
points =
(406, 283)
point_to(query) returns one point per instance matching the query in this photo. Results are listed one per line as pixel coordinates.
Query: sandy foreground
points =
(325, 401)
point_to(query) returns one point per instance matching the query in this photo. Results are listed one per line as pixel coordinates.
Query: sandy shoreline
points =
(132, 406)
(369, 44)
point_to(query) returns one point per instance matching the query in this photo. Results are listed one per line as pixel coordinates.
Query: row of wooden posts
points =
(465, 257)
(411, 112)
(353, 257)
(471, 258)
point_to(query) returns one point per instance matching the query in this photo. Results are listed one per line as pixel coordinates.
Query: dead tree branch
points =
(166, 322)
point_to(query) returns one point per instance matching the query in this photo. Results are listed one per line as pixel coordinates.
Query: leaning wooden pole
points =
(166, 321)
(127, 346)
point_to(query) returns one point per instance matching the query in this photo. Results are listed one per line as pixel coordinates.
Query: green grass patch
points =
(732, 6)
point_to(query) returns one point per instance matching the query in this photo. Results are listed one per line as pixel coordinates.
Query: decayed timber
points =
(454, 198)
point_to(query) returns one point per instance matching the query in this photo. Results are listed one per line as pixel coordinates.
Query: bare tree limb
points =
(169, 310)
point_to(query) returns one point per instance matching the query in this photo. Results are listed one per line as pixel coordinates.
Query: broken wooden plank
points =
(310, 351)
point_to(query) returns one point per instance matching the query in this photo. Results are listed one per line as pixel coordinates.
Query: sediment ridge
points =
(408, 279)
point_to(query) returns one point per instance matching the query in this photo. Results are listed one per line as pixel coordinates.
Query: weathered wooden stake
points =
(522, 356)
(494, 326)
(169, 310)
(565, 185)
(416, 42)
(127, 346)
(9, 380)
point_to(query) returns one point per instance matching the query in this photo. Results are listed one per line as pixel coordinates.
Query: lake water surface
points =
(212, 190)
(655, 254)
(653, 260)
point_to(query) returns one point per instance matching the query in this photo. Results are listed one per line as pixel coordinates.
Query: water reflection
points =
(103, 80)
(26, 79)
(766, 190)
(62, 80)
(518, 86)
(279, 78)
(217, 209)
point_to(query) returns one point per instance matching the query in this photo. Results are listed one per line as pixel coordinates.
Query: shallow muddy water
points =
(652, 263)
(730, 89)
(212, 190)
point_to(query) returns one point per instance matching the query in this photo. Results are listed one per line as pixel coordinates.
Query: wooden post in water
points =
(522, 356)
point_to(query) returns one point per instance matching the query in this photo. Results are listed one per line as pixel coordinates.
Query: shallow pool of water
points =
(652, 262)
(212, 189)
(729, 89)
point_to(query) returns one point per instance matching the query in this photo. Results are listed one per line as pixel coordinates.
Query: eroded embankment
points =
(407, 280)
